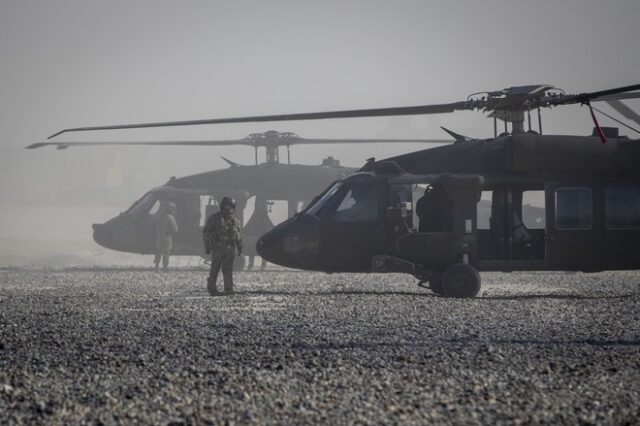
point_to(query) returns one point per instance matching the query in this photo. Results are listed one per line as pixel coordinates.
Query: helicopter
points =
(197, 196)
(590, 187)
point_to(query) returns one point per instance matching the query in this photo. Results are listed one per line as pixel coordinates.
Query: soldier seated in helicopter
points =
(358, 205)
(434, 210)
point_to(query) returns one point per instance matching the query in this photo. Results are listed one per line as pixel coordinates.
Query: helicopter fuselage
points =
(590, 193)
(196, 198)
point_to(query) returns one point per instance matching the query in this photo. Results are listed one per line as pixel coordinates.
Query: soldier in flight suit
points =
(434, 210)
(222, 239)
(166, 229)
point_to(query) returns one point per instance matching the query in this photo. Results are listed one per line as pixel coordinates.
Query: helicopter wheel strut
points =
(432, 282)
(435, 284)
(461, 280)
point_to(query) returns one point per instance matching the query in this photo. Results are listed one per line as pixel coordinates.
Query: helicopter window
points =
(533, 210)
(359, 204)
(484, 210)
(574, 208)
(155, 207)
(142, 206)
(318, 207)
(622, 207)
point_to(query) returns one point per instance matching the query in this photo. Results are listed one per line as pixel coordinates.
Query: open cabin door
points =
(511, 227)
(446, 216)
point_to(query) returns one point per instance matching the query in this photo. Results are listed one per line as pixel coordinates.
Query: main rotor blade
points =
(348, 141)
(376, 112)
(619, 97)
(65, 145)
(624, 110)
(601, 95)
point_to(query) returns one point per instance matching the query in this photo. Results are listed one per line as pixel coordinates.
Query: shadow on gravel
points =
(591, 342)
(144, 269)
(334, 292)
(199, 293)
(466, 341)
(555, 296)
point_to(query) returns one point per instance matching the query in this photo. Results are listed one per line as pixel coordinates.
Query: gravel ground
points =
(133, 346)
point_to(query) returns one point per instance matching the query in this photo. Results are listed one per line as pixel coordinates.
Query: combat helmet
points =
(170, 207)
(227, 202)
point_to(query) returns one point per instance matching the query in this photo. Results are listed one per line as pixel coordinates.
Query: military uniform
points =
(222, 238)
(166, 229)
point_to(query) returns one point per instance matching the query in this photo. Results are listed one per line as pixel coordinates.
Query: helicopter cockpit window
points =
(143, 205)
(155, 208)
(319, 207)
(360, 204)
(574, 208)
(622, 207)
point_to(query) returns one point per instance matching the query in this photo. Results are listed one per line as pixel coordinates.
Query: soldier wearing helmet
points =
(222, 239)
(166, 229)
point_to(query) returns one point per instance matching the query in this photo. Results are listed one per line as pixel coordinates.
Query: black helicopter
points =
(590, 186)
(197, 196)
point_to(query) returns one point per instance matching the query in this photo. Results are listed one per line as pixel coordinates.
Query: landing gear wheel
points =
(461, 280)
(436, 284)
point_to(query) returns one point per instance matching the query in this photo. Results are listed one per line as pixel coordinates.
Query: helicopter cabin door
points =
(572, 227)
(511, 227)
(353, 232)
(622, 225)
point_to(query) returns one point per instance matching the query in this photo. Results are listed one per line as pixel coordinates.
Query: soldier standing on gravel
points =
(222, 239)
(166, 229)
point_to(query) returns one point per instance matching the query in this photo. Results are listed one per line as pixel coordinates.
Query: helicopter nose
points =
(294, 243)
(102, 234)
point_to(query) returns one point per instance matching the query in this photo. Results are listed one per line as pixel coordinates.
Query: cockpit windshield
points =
(315, 208)
(144, 205)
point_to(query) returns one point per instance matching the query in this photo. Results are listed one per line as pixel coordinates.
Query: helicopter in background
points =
(197, 196)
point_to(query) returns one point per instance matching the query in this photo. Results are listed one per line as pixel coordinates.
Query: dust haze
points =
(78, 63)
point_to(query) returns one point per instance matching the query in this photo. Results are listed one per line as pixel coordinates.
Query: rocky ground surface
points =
(132, 346)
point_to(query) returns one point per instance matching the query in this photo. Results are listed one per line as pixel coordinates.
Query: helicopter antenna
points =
(229, 162)
(458, 137)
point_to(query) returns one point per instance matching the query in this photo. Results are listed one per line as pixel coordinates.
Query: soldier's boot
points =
(211, 287)
(165, 263)
(228, 282)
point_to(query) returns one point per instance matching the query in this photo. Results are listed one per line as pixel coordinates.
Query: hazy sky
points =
(83, 62)
(68, 63)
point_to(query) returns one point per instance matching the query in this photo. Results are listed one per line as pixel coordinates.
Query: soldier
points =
(222, 239)
(434, 210)
(166, 229)
(364, 206)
